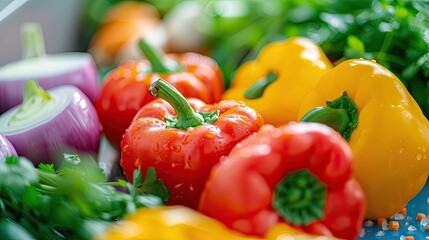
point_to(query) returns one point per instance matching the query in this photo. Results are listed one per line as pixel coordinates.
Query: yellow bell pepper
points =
(183, 223)
(282, 231)
(170, 222)
(386, 129)
(277, 81)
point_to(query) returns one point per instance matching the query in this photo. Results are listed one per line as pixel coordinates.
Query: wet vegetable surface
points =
(408, 224)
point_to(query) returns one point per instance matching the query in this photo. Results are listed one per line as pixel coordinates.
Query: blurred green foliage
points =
(395, 33)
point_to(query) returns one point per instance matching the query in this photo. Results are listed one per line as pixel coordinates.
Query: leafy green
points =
(11, 230)
(16, 176)
(150, 185)
(71, 202)
(395, 33)
(47, 167)
(356, 48)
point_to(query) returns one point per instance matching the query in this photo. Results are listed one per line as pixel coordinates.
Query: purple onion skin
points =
(85, 78)
(76, 129)
(6, 148)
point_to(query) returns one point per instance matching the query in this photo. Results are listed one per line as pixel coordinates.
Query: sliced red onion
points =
(6, 148)
(72, 68)
(66, 122)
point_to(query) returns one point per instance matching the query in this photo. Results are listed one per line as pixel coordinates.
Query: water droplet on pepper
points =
(156, 147)
(419, 156)
(209, 135)
(176, 148)
(185, 139)
(166, 147)
(125, 148)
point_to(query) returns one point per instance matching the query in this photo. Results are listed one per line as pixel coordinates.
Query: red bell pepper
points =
(181, 143)
(300, 173)
(125, 89)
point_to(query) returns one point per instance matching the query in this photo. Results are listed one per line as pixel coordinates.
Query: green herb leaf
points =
(71, 203)
(84, 165)
(10, 160)
(137, 177)
(31, 197)
(17, 174)
(150, 185)
(10, 229)
(49, 168)
(356, 44)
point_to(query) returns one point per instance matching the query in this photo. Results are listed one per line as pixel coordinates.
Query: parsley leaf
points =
(150, 185)
(73, 202)
(49, 168)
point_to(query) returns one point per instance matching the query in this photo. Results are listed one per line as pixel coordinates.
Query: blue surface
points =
(408, 225)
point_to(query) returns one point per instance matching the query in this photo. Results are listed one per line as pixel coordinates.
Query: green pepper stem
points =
(340, 114)
(257, 89)
(335, 118)
(186, 116)
(300, 198)
(33, 44)
(156, 58)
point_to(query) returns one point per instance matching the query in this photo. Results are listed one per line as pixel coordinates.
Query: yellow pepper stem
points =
(340, 114)
(257, 89)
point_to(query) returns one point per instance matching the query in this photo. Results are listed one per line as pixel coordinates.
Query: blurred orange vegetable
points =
(124, 24)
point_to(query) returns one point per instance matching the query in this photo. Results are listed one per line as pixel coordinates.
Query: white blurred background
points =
(59, 20)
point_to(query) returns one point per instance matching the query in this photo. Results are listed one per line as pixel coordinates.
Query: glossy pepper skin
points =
(182, 223)
(170, 222)
(299, 173)
(278, 80)
(283, 231)
(182, 143)
(125, 89)
(390, 143)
